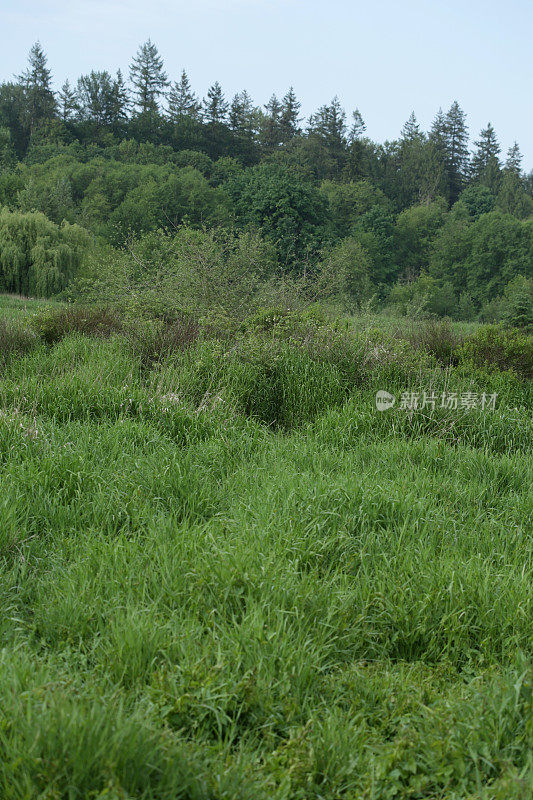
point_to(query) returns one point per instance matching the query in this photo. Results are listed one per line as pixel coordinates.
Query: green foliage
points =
(416, 228)
(286, 210)
(54, 325)
(343, 274)
(36, 256)
(208, 273)
(225, 574)
(481, 257)
(349, 201)
(496, 347)
(423, 296)
(519, 303)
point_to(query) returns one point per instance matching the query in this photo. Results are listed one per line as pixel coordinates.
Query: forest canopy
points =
(428, 217)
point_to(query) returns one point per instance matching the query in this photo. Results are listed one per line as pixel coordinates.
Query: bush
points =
(55, 325)
(518, 311)
(437, 337)
(15, 339)
(504, 349)
(426, 296)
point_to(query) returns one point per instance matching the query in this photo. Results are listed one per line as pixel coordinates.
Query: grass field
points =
(225, 574)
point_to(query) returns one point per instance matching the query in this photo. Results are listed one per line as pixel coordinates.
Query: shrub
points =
(54, 326)
(437, 337)
(518, 311)
(14, 339)
(504, 349)
(426, 294)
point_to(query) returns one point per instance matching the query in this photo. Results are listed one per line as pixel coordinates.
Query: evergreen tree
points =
(121, 99)
(290, 110)
(241, 114)
(13, 115)
(68, 104)
(182, 102)
(329, 123)
(411, 129)
(513, 162)
(437, 135)
(215, 106)
(485, 164)
(270, 124)
(450, 136)
(358, 126)
(37, 82)
(149, 79)
(101, 100)
(243, 120)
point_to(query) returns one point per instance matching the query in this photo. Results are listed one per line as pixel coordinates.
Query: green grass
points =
(226, 575)
(13, 306)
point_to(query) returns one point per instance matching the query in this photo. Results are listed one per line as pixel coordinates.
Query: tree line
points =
(152, 108)
(423, 215)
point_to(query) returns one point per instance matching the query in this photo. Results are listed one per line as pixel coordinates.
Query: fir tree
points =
(358, 126)
(37, 82)
(485, 162)
(290, 110)
(513, 162)
(329, 123)
(68, 103)
(95, 98)
(457, 148)
(182, 102)
(121, 99)
(241, 115)
(149, 79)
(214, 106)
(271, 132)
(437, 135)
(411, 129)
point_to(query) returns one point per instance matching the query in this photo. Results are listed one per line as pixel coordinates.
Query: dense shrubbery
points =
(502, 349)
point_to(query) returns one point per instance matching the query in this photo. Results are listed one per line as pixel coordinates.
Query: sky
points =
(387, 57)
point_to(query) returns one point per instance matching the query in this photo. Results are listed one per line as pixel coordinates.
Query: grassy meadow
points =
(225, 574)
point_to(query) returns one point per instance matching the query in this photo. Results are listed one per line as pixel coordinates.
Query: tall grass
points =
(225, 574)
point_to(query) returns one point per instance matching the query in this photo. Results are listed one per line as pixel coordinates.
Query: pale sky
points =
(386, 57)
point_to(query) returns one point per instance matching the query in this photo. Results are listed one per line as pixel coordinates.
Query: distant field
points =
(225, 574)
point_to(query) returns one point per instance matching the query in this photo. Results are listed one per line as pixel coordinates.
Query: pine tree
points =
(182, 102)
(358, 126)
(241, 115)
(121, 99)
(270, 124)
(290, 110)
(513, 162)
(215, 106)
(149, 79)
(437, 135)
(457, 148)
(102, 100)
(327, 133)
(329, 123)
(37, 82)
(411, 129)
(68, 104)
(485, 162)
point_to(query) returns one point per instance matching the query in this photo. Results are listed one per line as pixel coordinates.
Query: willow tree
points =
(37, 257)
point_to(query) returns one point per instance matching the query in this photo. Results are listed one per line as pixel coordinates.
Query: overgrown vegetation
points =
(225, 571)
(226, 574)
